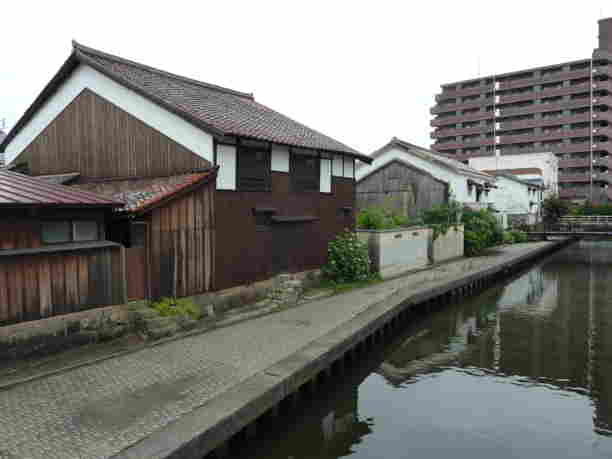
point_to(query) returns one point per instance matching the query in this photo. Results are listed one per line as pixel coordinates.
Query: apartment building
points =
(564, 108)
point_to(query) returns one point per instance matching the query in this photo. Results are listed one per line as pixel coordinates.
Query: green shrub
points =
(347, 259)
(553, 208)
(176, 307)
(442, 217)
(508, 237)
(380, 218)
(482, 230)
(518, 236)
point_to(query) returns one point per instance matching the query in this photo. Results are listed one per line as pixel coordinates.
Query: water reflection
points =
(524, 368)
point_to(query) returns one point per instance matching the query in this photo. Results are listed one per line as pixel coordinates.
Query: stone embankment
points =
(186, 398)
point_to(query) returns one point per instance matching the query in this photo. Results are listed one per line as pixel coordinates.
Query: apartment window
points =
(253, 170)
(305, 173)
(64, 231)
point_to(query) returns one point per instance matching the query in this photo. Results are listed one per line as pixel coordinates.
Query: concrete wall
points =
(448, 246)
(394, 252)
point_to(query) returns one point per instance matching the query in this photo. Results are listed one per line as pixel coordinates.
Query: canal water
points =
(521, 370)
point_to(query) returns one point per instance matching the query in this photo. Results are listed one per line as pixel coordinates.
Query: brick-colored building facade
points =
(563, 108)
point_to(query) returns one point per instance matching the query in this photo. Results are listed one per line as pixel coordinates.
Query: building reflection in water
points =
(550, 326)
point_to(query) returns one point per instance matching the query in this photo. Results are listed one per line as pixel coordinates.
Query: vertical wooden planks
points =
(16, 285)
(44, 287)
(83, 279)
(31, 303)
(58, 291)
(4, 294)
(71, 282)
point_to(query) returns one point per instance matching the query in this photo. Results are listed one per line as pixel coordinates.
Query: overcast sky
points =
(361, 72)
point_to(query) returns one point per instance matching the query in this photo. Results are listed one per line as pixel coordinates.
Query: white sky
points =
(359, 71)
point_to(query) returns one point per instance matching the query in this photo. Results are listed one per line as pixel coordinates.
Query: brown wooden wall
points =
(36, 286)
(97, 139)
(19, 233)
(181, 245)
(407, 190)
(245, 254)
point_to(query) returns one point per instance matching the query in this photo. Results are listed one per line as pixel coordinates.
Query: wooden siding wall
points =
(43, 285)
(19, 234)
(244, 253)
(181, 245)
(407, 190)
(99, 140)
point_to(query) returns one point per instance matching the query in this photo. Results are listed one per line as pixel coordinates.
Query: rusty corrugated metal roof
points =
(22, 190)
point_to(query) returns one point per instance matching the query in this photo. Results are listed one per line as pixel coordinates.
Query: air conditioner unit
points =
(594, 101)
(497, 125)
(497, 112)
(497, 85)
(497, 99)
(497, 139)
(594, 131)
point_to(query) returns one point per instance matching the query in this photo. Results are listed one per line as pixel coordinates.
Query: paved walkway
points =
(96, 411)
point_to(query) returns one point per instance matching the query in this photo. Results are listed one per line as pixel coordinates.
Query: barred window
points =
(305, 173)
(253, 169)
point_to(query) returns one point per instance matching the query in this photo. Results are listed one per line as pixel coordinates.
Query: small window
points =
(253, 169)
(305, 173)
(63, 231)
(56, 232)
(85, 231)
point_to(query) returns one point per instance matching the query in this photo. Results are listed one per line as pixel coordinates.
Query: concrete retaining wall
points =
(448, 246)
(394, 252)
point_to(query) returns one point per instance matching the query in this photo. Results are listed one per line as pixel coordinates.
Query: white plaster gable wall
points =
(280, 159)
(457, 181)
(325, 178)
(511, 197)
(547, 162)
(226, 160)
(169, 124)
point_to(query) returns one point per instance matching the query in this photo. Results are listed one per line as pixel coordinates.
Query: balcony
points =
(584, 177)
(578, 147)
(464, 92)
(461, 118)
(461, 105)
(574, 192)
(559, 76)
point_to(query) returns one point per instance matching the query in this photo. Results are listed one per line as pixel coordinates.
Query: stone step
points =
(162, 332)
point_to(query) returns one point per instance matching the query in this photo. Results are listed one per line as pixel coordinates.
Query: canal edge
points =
(209, 427)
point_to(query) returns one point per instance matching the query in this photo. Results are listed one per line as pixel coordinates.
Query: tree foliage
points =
(554, 208)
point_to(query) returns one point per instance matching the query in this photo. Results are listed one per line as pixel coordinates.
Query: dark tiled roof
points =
(22, 190)
(143, 195)
(223, 110)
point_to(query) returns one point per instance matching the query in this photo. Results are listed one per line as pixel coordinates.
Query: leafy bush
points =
(442, 217)
(176, 307)
(518, 236)
(482, 231)
(380, 218)
(347, 259)
(508, 237)
(591, 209)
(553, 208)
